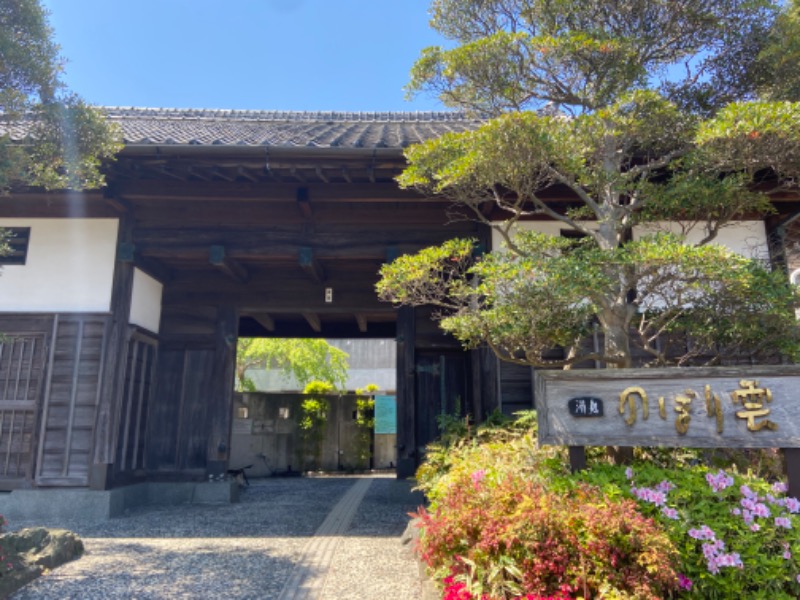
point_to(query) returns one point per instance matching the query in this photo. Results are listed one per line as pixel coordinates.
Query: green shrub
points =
(738, 535)
(508, 520)
(314, 421)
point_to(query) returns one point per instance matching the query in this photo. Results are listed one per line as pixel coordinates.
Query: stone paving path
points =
(319, 538)
(308, 577)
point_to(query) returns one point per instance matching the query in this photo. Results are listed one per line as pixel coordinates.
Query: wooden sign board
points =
(719, 407)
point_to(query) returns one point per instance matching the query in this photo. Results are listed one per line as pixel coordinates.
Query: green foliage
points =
(776, 73)
(647, 142)
(65, 140)
(365, 421)
(506, 518)
(508, 536)
(553, 289)
(699, 496)
(314, 420)
(304, 359)
(513, 55)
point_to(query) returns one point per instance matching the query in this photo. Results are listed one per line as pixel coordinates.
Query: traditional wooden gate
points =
(22, 369)
(441, 391)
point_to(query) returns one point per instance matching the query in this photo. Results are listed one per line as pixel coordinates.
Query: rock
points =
(26, 554)
(410, 540)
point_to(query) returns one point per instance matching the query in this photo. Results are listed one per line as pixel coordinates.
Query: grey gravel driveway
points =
(252, 549)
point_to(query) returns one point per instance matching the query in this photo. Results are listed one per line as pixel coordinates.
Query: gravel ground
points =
(244, 550)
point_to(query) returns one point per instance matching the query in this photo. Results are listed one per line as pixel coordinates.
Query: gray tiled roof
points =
(285, 129)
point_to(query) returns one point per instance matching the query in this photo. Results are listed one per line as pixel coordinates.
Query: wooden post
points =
(406, 393)
(114, 361)
(792, 463)
(220, 407)
(577, 458)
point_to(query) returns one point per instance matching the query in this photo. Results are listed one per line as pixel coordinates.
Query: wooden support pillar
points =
(220, 397)
(791, 457)
(485, 398)
(577, 458)
(406, 393)
(485, 370)
(114, 361)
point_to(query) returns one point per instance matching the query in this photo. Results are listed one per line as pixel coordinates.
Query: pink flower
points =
(704, 533)
(478, 476)
(792, 505)
(779, 487)
(629, 473)
(747, 492)
(665, 486)
(720, 481)
(686, 584)
(783, 522)
(670, 513)
(761, 510)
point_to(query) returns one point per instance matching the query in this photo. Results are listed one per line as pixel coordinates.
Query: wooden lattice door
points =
(22, 367)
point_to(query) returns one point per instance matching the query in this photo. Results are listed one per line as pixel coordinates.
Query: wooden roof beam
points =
(362, 323)
(311, 265)
(321, 175)
(165, 171)
(221, 175)
(346, 175)
(314, 321)
(196, 173)
(231, 268)
(247, 174)
(296, 175)
(265, 320)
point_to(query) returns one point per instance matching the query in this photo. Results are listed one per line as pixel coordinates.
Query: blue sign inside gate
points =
(385, 414)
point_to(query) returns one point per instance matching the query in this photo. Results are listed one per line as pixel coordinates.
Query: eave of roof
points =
(356, 131)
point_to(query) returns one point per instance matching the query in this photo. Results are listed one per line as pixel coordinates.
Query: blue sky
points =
(244, 54)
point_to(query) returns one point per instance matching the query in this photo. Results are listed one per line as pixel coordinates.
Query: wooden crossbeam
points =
(231, 268)
(362, 323)
(310, 265)
(314, 321)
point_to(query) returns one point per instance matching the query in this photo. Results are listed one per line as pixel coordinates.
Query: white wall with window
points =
(69, 266)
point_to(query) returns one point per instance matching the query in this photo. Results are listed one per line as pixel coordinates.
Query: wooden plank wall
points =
(177, 434)
(22, 360)
(71, 396)
(140, 365)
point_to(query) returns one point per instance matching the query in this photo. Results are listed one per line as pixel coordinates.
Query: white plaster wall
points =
(70, 267)
(145, 301)
(747, 238)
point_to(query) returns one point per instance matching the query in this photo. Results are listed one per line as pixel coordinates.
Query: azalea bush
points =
(737, 534)
(508, 520)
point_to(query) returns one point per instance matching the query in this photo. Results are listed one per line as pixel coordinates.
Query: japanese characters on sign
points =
(749, 395)
(586, 407)
(693, 407)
